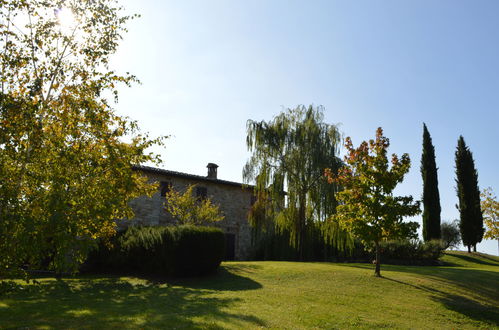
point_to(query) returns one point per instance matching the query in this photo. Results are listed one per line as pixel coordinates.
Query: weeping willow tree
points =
(289, 156)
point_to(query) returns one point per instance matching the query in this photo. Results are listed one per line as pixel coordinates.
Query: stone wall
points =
(234, 202)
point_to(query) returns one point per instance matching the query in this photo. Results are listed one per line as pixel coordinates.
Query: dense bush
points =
(169, 251)
(412, 251)
(275, 246)
(451, 236)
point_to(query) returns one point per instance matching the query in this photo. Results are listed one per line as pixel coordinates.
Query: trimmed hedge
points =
(166, 251)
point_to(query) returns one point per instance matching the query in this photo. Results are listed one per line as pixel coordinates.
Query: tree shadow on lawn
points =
(106, 302)
(227, 278)
(473, 259)
(481, 285)
(473, 309)
(478, 282)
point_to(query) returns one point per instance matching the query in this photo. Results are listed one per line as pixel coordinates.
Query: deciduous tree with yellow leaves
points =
(186, 209)
(65, 168)
(490, 209)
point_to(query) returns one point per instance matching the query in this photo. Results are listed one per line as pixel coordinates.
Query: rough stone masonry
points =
(234, 200)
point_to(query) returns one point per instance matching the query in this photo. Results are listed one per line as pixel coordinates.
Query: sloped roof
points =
(156, 170)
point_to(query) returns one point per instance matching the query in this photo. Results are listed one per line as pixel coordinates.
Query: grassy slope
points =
(271, 294)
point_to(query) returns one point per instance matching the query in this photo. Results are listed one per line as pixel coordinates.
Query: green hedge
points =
(168, 251)
(411, 251)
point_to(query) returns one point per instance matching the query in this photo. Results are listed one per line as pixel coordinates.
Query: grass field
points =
(270, 294)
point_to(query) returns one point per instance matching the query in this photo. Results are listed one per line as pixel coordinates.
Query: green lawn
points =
(270, 294)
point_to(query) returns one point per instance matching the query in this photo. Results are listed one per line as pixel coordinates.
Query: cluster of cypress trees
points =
(471, 219)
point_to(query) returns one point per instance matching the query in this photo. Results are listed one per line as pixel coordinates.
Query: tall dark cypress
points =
(431, 196)
(468, 193)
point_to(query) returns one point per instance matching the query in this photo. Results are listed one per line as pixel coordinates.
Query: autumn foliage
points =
(65, 155)
(490, 208)
(367, 207)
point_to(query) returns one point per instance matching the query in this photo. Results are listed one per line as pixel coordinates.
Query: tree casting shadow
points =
(473, 259)
(486, 291)
(482, 285)
(110, 302)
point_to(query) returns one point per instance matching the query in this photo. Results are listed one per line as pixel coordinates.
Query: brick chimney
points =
(212, 170)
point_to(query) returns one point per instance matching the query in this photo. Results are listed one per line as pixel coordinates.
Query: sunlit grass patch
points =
(269, 294)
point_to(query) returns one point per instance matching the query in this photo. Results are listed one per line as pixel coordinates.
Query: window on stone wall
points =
(201, 193)
(164, 187)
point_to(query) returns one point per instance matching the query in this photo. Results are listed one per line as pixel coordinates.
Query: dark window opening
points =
(164, 188)
(201, 193)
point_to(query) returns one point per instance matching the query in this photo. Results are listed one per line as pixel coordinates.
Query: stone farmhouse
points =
(234, 200)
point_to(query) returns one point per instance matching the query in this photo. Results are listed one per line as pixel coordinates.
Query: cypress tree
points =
(468, 193)
(431, 196)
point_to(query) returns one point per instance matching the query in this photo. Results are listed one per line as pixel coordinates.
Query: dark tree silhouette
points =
(431, 196)
(468, 193)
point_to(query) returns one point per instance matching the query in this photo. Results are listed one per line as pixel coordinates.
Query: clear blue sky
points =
(208, 66)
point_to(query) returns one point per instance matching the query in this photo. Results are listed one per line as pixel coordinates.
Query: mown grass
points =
(464, 294)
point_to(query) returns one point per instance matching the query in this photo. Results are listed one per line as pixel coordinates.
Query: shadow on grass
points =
(227, 278)
(475, 258)
(109, 302)
(480, 285)
(471, 308)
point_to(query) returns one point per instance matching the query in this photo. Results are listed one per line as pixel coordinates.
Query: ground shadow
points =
(109, 302)
(473, 259)
(485, 291)
(473, 309)
(227, 278)
(480, 288)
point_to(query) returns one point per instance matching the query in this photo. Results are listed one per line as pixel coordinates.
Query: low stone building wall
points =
(233, 199)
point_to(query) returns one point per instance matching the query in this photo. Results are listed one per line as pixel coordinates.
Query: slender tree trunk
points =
(474, 248)
(377, 270)
(301, 215)
(469, 249)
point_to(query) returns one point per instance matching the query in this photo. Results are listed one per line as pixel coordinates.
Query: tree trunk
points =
(474, 248)
(301, 215)
(469, 249)
(377, 270)
(301, 234)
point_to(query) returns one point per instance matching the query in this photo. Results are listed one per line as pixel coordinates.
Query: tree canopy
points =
(186, 209)
(431, 196)
(468, 193)
(367, 207)
(451, 237)
(490, 208)
(65, 155)
(289, 156)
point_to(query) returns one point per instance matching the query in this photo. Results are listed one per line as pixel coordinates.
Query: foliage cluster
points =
(275, 245)
(65, 170)
(412, 251)
(166, 251)
(468, 193)
(187, 209)
(490, 208)
(431, 196)
(289, 156)
(368, 209)
(451, 236)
